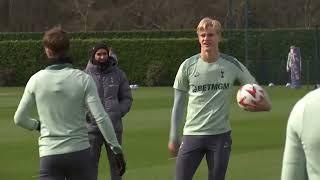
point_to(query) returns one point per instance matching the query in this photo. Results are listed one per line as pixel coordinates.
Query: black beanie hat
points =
(96, 47)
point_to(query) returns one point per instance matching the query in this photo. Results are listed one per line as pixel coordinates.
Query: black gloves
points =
(38, 127)
(121, 163)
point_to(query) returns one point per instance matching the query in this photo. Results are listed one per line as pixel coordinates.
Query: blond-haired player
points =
(207, 79)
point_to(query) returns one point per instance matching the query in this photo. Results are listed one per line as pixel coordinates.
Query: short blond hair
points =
(208, 22)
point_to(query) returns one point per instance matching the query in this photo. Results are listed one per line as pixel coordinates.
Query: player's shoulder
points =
(34, 79)
(193, 58)
(39, 76)
(309, 102)
(227, 57)
(191, 61)
(81, 73)
(230, 59)
(82, 78)
(312, 96)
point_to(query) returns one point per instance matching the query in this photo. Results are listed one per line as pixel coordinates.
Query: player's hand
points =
(121, 163)
(39, 126)
(262, 105)
(173, 148)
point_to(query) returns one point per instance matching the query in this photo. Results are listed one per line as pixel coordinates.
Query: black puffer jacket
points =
(114, 92)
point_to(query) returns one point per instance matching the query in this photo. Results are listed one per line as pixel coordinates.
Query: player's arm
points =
(181, 87)
(176, 117)
(104, 124)
(101, 117)
(293, 165)
(21, 116)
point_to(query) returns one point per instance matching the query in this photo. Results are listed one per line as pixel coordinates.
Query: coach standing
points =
(115, 95)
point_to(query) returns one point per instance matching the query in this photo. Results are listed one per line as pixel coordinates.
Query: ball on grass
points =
(288, 85)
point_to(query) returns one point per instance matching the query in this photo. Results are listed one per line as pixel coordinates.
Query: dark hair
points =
(96, 47)
(57, 40)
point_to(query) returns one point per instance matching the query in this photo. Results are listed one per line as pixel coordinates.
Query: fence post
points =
(316, 53)
(308, 75)
(316, 43)
(246, 33)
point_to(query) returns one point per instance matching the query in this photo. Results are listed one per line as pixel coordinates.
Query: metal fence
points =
(266, 71)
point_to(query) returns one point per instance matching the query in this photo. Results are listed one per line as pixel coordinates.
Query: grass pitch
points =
(258, 138)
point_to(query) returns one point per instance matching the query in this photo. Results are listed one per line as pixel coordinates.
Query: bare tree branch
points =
(83, 12)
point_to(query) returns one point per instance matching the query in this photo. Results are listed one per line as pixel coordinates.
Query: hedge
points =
(267, 55)
(135, 56)
(187, 33)
(104, 34)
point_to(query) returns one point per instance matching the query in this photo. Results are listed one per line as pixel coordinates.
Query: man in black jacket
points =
(115, 95)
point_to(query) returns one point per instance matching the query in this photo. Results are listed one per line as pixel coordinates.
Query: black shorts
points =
(217, 149)
(69, 166)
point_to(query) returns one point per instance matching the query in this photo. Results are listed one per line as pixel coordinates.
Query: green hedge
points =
(106, 34)
(267, 55)
(135, 55)
(235, 34)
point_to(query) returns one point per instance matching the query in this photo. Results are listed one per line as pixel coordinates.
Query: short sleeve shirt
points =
(209, 86)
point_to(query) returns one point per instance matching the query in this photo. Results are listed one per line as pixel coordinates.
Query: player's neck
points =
(210, 56)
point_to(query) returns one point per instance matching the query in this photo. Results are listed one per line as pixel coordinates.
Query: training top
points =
(61, 95)
(301, 159)
(209, 86)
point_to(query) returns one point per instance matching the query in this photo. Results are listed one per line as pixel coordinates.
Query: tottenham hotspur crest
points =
(222, 73)
(196, 74)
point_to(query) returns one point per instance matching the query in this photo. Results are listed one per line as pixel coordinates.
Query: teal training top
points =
(61, 95)
(301, 160)
(209, 86)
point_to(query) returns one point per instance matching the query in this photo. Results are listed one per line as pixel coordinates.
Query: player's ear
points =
(48, 51)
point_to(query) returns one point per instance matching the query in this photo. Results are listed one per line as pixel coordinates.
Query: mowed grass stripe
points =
(258, 138)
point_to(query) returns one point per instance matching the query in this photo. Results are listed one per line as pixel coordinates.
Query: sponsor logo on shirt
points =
(210, 87)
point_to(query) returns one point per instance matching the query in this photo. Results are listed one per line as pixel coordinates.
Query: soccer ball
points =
(249, 95)
(270, 84)
(288, 85)
(134, 86)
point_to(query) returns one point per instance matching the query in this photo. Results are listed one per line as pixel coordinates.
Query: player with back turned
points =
(62, 95)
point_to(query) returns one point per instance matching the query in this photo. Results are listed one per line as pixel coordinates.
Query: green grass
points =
(258, 138)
